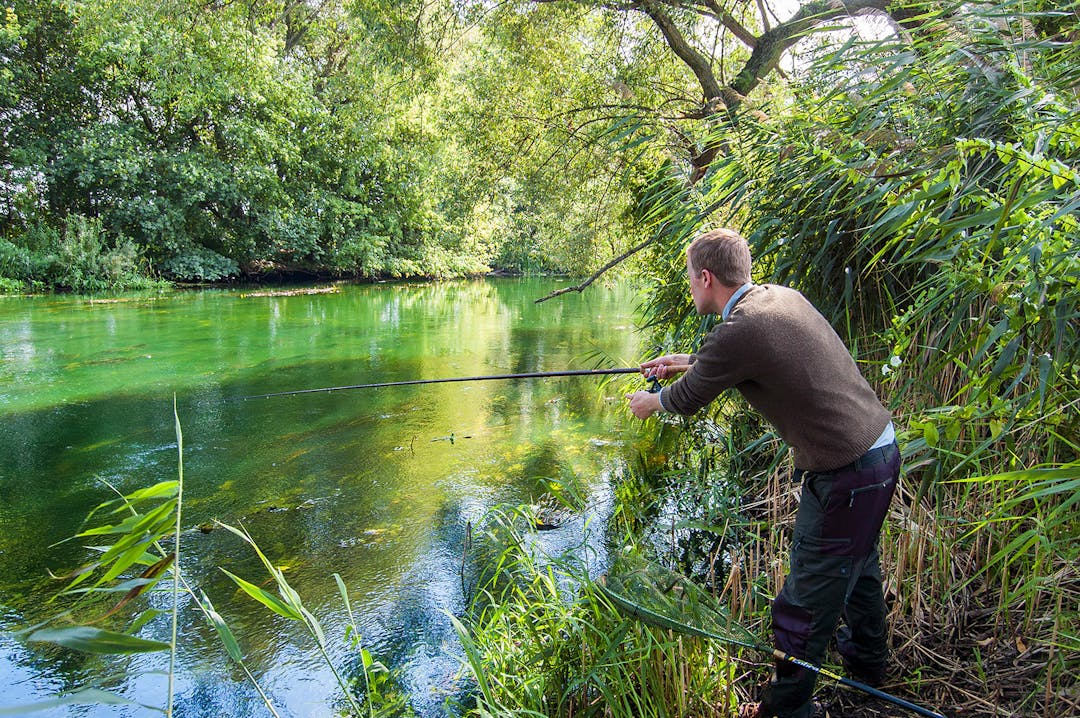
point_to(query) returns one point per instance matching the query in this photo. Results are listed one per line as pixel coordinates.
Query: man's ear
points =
(707, 278)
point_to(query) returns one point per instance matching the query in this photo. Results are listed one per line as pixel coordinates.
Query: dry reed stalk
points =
(1050, 660)
(920, 563)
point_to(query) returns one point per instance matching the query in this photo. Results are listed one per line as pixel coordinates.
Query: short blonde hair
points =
(725, 253)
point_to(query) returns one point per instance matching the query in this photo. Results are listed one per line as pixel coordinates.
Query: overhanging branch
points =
(598, 273)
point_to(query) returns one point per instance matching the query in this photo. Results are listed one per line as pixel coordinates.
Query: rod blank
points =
(414, 382)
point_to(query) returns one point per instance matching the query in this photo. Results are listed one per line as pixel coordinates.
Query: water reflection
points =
(367, 484)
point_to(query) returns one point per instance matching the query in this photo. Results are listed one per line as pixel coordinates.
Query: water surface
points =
(375, 485)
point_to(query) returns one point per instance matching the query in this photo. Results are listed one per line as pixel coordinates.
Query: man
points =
(776, 350)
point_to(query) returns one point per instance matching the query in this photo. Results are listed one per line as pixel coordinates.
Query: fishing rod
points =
(489, 377)
(656, 618)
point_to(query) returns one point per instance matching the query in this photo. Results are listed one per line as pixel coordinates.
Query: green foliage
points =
(546, 171)
(365, 140)
(247, 138)
(542, 640)
(922, 191)
(130, 534)
(200, 264)
(85, 263)
(926, 202)
(78, 257)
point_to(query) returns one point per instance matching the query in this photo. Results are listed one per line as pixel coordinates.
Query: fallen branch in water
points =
(292, 292)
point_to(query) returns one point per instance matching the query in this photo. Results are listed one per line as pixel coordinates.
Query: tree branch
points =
(773, 43)
(717, 98)
(698, 63)
(733, 26)
(597, 274)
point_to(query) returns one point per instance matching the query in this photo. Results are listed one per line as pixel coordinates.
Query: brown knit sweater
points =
(778, 351)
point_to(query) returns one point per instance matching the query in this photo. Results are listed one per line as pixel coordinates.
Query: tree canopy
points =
(198, 141)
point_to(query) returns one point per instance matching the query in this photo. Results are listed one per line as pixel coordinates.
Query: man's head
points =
(717, 263)
(724, 253)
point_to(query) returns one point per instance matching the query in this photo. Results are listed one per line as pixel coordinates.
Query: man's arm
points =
(644, 404)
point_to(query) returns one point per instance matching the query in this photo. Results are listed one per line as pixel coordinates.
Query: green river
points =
(377, 485)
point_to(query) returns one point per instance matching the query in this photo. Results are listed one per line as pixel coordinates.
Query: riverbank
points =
(10, 287)
(364, 484)
(970, 635)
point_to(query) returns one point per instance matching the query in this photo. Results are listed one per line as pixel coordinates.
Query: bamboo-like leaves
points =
(86, 696)
(287, 604)
(135, 535)
(275, 604)
(96, 640)
(232, 646)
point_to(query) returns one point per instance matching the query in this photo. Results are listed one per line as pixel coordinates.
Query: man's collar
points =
(734, 298)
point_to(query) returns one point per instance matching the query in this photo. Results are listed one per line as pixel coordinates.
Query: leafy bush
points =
(86, 263)
(15, 261)
(11, 286)
(198, 264)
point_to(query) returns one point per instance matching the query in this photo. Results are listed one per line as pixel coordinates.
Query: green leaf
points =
(145, 617)
(269, 600)
(163, 490)
(1045, 365)
(313, 624)
(86, 696)
(97, 640)
(232, 647)
(345, 598)
(999, 329)
(1006, 357)
(996, 427)
(1062, 472)
(132, 524)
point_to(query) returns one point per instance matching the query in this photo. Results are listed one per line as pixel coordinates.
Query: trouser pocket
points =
(871, 492)
(854, 507)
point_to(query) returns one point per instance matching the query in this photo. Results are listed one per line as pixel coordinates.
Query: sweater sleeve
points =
(719, 365)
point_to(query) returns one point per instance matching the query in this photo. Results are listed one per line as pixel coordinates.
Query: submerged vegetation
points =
(141, 555)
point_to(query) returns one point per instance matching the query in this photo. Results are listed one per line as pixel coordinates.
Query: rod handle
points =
(654, 381)
(869, 690)
(677, 368)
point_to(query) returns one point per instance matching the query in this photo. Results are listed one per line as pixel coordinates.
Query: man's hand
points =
(644, 403)
(665, 366)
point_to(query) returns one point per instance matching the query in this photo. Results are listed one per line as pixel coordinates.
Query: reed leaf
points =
(275, 604)
(85, 696)
(232, 646)
(96, 640)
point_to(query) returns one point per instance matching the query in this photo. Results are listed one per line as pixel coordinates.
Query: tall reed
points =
(541, 640)
(132, 560)
(923, 191)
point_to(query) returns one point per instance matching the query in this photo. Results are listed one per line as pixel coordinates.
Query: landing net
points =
(666, 599)
(654, 595)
